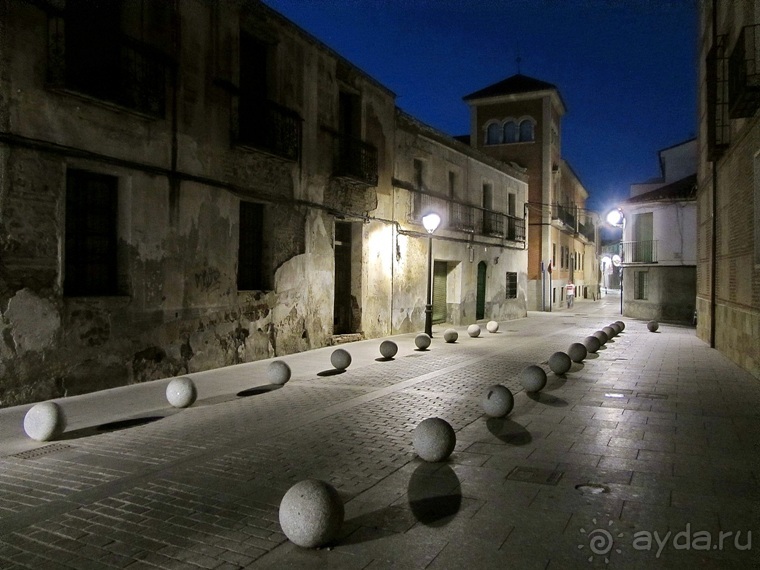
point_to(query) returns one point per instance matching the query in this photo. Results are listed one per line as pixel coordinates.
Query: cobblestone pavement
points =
(646, 454)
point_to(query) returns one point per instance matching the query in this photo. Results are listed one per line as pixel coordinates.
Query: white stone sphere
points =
(492, 326)
(473, 330)
(181, 392)
(311, 513)
(559, 362)
(622, 325)
(340, 359)
(533, 378)
(434, 439)
(44, 421)
(592, 343)
(422, 341)
(450, 335)
(577, 352)
(498, 401)
(653, 326)
(609, 331)
(388, 349)
(278, 372)
(602, 336)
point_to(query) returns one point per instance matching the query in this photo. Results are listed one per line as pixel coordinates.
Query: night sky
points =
(626, 69)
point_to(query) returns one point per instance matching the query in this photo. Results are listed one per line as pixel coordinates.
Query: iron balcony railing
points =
(640, 251)
(355, 159)
(270, 127)
(718, 120)
(472, 219)
(744, 74)
(563, 214)
(587, 230)
(130, 74)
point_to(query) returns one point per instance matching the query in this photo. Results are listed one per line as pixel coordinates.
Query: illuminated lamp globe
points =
(431, 222)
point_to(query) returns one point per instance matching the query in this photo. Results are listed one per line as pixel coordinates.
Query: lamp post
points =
(431, 222)
(616, 218)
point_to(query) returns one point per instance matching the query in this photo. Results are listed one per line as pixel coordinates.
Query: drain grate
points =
(652, 396)
(41, 451)
(535, 475)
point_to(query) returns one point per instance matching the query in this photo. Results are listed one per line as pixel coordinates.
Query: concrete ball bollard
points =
(492, 326)
(577, 352)
(622, 325)
(340, 359)
(560, 362)
(602, 336)
(434, 439)
(388, 349)
(616, 327)
(422, 341)
(278, 372)
(450, 335)
(473, 330)
(609, 331)
(181, 392)
(498, 401)
(533, 378)
(653, 326)
(44, 421)
(311, 513)
(592, 344)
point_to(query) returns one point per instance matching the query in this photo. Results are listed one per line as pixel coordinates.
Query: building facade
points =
(196, 184)
(728, 198)
(519, 121)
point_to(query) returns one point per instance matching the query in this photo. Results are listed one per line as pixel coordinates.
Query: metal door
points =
(480, 303)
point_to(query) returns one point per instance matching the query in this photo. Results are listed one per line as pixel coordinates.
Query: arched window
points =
(526, 130)
(510, 132)
(493, 134)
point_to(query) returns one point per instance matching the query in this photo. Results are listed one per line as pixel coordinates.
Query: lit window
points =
(493, 134)
(510, 132)
(526, 130)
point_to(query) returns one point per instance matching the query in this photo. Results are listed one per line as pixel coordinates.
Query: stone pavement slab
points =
(654, 436)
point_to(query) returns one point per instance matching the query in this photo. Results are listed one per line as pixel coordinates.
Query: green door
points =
(440, 270)
(480, 303)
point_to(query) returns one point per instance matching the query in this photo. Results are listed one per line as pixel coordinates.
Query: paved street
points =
(651, 444)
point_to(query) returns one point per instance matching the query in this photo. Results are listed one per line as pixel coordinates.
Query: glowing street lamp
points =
(431, 222)
(615, 217)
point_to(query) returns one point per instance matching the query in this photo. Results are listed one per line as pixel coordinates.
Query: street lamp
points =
(430, 222)
(616, 218)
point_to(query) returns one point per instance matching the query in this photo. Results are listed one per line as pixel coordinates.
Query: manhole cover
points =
(535, 475)
(41, 451)
(592, 488)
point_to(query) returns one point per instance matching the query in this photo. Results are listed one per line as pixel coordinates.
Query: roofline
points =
(520, 97)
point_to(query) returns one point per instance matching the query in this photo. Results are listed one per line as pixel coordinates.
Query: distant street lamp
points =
(615, 217)
(431, 222)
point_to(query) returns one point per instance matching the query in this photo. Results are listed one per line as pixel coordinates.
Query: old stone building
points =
(519, 120)
(196, 184)
(728, 179)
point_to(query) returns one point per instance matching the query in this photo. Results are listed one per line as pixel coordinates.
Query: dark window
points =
(511, 285)
(510, 132)
(91, 217)
(251, 276)
(526, 130)
(641, 285)
(493, 134)
(419, 176)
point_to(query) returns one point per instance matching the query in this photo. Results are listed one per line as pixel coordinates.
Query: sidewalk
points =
(654, 434)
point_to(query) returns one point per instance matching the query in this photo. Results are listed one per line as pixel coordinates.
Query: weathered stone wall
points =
(671, 294)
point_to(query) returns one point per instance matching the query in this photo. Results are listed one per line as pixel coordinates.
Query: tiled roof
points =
(683, 189)
(515, 84)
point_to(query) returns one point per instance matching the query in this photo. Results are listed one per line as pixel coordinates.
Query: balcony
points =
(272, 128)
(461, 217)
(716, 79)
(587, 230)
(744, 74)
(126, 72)
(640, 251)
(355, 160)
(564, 214)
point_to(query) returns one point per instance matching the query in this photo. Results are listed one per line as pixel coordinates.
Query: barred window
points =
(511, 285)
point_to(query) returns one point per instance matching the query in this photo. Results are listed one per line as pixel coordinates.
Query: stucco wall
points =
(671, 294)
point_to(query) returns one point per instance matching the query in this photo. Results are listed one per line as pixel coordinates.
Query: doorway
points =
(440, 276)
(345, 304)
(480, 302)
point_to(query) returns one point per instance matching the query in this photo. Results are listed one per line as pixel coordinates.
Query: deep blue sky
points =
(627, 69)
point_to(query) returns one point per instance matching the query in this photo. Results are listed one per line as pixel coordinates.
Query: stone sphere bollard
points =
(340, 359)
(592, 344)
(278, 372)
(560, 363)
(498, 401)
(492, 326)
(653, 326)
(422, 341)
(533, 378)
(609, 331)
(577, 352)
(44, 421)
(181, 392)
(473, 330)
(622, 325)
(434, 439)
(602, 336)
(311, 513)
(388, 349)
(616, 327)
(450, 335)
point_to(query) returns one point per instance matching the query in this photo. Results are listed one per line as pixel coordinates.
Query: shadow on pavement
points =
(509, 431)
(108, 427)
(547, 399)
(256, 390)
(331, 372)
(434, 494)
